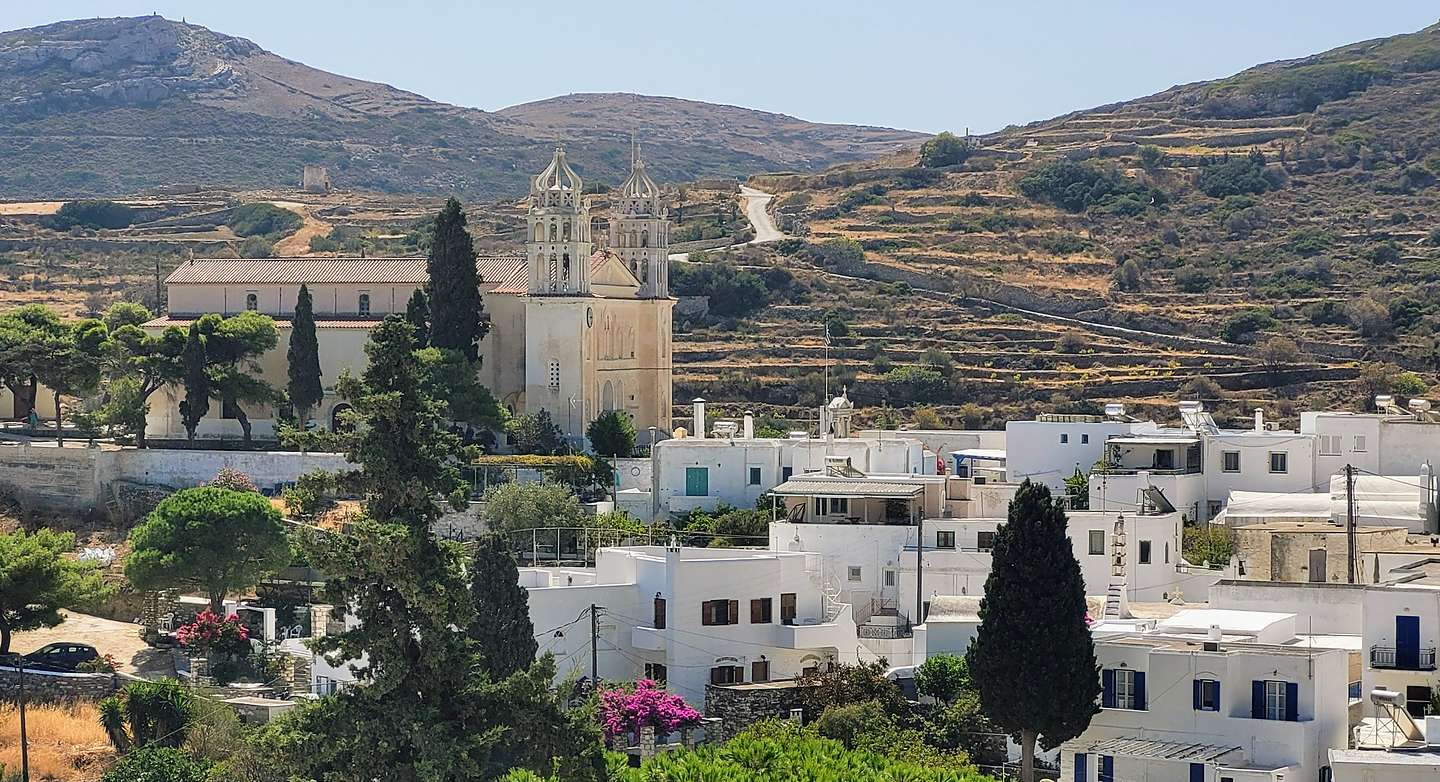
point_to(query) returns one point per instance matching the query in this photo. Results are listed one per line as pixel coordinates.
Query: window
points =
(760, 611)
(889, 578)
(1279, 462)
(1207, 695)
(1144, 552)
(984, 540)
(832, 506)
(1124, 689)
(720, 612)
(1097, 541)
(1163, 460)
(785, 473)
(659, 613)
(697, 481)
(252, 301)
(944, 539)
(754, 476)
(1329, 445)
(1274, 700)
(787, 608)
(727, 674)
(853, 573)
(1229, 461)
(554, 374)
(760, 671)
(1064, 438)
(656, 672)
(363, 306)
(1359, 443)
(1084, 439)
(1212, 507)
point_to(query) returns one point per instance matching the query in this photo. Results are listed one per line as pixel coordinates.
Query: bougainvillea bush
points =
(209, 633)
(624, 710)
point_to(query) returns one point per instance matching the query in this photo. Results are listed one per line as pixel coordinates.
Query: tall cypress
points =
(456, 311)
(1033, 658)
(502, 610)
(197, 382)
(303, 359)
(417, 312)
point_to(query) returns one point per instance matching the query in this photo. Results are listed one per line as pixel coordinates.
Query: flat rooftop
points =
(1163, 643)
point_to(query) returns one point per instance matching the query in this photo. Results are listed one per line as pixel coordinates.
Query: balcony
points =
(1386, 657)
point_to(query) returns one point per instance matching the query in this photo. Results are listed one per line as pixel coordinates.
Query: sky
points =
(921, 65)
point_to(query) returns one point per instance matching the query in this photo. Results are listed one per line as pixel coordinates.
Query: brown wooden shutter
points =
(734, 612)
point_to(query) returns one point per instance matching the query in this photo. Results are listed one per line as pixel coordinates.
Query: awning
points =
(1161, 750)
(1152, 441)
(991, 454)
(812, 488)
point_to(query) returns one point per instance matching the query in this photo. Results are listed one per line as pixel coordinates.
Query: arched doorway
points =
(607, 397)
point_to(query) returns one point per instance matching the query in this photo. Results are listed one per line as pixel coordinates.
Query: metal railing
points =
(889, 632)
(1386, 657)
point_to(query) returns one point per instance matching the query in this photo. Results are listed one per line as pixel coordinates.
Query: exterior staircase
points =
(1116, 602)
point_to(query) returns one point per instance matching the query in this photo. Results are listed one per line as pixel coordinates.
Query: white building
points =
(692, 616)
(729, 465)
(1052, 447)
(1392, 442)
(1402, 630)
(1211, 709)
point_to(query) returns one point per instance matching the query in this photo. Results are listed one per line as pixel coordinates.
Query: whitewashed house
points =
(691, 616)
(1402, 631)
(1052, 447)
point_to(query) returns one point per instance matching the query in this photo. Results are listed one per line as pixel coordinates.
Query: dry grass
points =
(67, 743)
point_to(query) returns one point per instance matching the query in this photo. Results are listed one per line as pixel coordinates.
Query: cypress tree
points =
(1033, 658)
(197, 382)
(417, 312)
(502, 610)
(456, 310)
(303, 359)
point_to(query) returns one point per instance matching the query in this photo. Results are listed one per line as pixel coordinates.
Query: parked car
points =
(61, 656)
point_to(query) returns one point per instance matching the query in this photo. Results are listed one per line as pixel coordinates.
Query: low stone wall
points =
(51, 687)
(44, 477)
(738, 706)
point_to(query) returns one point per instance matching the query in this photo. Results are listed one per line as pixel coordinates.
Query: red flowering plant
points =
(209, 633)
(624, 710)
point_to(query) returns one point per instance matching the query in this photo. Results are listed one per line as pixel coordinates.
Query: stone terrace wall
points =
(180, 469)
(740, 706)
(51, 687)
(47, 478)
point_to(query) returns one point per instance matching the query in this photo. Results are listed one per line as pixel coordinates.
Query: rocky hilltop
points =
(107, 106)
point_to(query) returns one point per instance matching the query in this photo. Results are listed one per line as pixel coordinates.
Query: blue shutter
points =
(1197, 772)
(1140, 690)
(1217, 695)
(1292, 702)
(1080, 775)
(1107, 688)
(1195, 694)
(1107, 768)
(1257, 700)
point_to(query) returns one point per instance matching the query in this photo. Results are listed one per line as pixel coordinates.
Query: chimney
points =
(749, 431)
(1259, 419)
(699, 430)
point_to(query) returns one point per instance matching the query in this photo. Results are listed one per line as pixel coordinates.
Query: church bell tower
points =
(640, 230)
(558, 246)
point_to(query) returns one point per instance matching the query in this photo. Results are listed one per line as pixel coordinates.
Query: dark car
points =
(61, 656)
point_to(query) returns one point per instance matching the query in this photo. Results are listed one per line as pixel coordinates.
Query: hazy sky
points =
(904, 63)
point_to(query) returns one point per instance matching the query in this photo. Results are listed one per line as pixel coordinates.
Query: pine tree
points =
(502, 609)
(417, 313)
(1033, 658)
(303, 359)
(456, 311)
(197, 382)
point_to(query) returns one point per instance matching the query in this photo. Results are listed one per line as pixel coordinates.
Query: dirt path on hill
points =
(757, 211)
(298, 243)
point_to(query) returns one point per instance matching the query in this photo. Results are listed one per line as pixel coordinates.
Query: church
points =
(574, 330)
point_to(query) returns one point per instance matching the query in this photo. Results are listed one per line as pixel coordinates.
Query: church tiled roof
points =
(294, 271)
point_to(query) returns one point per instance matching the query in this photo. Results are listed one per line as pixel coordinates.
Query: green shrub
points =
(1151, 157)
(157, 764)
(257, 247)
(1076, 186)
(1232, 176)
(945, 149)
(92, 214)
(732, 291)
(1245, 324)
(262, 219)
(1192, 279)
(1311, 241)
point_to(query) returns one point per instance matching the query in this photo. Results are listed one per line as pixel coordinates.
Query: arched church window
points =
(567, 230)
(539, 232)
(565, 269)
(252, 302)
(553, 231)
(645, 238)
(363, 305)
(645, 271)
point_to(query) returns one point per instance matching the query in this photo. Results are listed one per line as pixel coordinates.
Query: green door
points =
(697, 481)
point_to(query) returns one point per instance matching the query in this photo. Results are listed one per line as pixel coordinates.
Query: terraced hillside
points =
(1274, 233)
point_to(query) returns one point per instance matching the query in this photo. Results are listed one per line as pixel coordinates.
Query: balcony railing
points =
(1385, 657)
(885, 631)
(1120, 469)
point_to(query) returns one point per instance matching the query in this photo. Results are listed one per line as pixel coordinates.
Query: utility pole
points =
(594, 646)
(24, 739)
(1350, 522)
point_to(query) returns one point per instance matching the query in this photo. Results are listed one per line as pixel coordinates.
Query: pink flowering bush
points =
(209, 633)
(624, 710)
